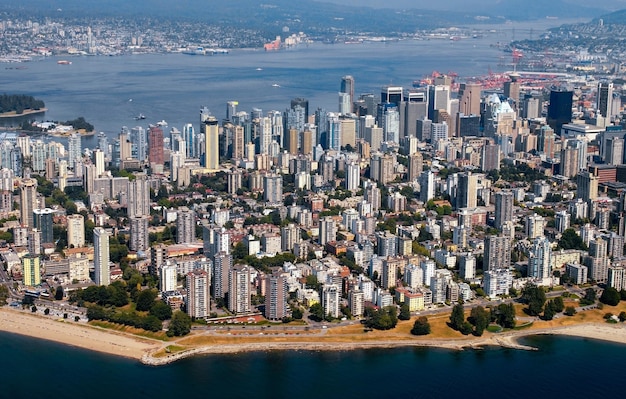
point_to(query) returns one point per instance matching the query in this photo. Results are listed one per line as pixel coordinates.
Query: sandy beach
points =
(74, 334)
(153, 352)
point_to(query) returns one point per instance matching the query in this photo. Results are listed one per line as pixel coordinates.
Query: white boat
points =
(275, 85)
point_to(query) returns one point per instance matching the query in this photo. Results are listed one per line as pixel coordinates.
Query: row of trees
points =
(381, 319)
(134, 319)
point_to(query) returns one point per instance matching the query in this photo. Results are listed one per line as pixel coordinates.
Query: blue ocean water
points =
(563, 367)
(111, 91)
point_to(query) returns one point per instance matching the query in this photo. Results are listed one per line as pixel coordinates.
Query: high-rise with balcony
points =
(211, 141)
(239, 300)
(75, 231)
(102, 274)
(276, 295)
(198, 298)
(28, 201)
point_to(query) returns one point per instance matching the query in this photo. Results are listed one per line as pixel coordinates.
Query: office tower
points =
(347, 87)
(75, 231)
(539, 262)
(391, 94)
(222, 263)
(74, 149)
(239, 300)
(168, 278)
(42, 221)
(504, 208)
(438, 131)
(348, 131)
(345, 104)
(185, 225)
(469, 98)
(276, 295)
(104, 145)
(211, 140)
(586, 186)
(138, 144)
(28, 201)
(304, 104)
(231, 109)
(467, 191)
(614, 153)
(155, 146)
(497, 253)
(139, 233)
(438, 98)
(327, 230)
(427, 185)
(415, 108)
(560, 109)
(102, 275)
(374, 136)
(605, 99)
(239, 144)
(273, 188)
(512, 89)
(333, 132)
(292, 141)
(189, 135)
(31, 268)
(98, 161)
(490, 159)
(138, 196)
(546, 141)
(331, 295)
(353, 176)
(307, 142)
(198, 298)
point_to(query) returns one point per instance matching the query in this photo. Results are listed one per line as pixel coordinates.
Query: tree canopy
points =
(535, 297)
(421, 326)
(610, 296)
(179, 325)
(382, 319)
(571, 240)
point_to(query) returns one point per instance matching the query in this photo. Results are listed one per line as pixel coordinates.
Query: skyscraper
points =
(327, 230)
(560, 109)
(273, 188)
(490, 159)
(347, 87)
(416, 166)
(28, 201)
(189, 135)
(42, 219)
(185, 226)
(138, 196)
(467, 192)
(504, 208)
(138, 144)
(539, 262)
(586, 186)
(102, 274)
(605, 99)
(497, 253)
(75, 231)
(276, 295)
(74, 149)
(198, 298)
(353, 176)
(155, 143)
(469, 98)
(211, 140)
(139, 233)
(31, 271)
(239, 300)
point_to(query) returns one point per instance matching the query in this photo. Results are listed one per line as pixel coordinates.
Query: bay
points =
(111, 91)
(562, 367)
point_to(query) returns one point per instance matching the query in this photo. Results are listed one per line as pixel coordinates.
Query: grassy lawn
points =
(161, 336)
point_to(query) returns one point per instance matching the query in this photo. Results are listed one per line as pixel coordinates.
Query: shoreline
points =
(10, 115)
(145, 349)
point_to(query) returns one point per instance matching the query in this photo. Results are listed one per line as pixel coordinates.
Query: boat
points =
(64, 62)
(275, 85)
(140, 117)
(259, 69)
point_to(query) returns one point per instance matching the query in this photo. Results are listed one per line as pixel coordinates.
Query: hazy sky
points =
(463, 5)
